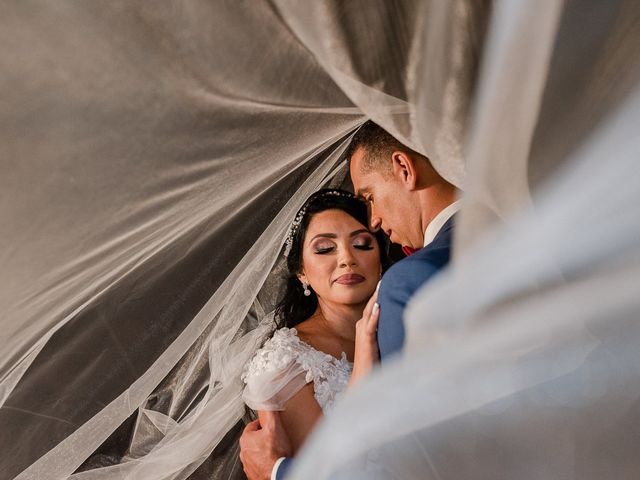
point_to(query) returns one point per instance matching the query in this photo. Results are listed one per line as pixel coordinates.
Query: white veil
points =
(521, 359)
(153, 156)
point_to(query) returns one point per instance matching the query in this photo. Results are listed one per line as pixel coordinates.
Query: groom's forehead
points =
(365, 182)
(356, 167)
(361, 186)
(363, 166)
(369, 184)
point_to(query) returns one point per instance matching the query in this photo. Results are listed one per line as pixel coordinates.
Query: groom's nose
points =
(374, 221)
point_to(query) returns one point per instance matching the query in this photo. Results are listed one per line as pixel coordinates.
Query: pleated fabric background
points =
(153, 155)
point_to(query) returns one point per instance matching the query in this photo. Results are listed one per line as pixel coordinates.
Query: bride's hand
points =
(366, 349)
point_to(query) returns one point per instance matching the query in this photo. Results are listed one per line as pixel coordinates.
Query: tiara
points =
(295, 225)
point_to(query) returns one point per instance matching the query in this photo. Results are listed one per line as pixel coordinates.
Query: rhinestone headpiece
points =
(295, 225)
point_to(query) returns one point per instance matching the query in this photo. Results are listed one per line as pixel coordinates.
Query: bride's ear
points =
(302, 277)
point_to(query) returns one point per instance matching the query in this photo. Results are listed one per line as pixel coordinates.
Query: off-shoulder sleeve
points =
(275, 374)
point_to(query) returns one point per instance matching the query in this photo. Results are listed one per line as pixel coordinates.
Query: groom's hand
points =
(262, 443)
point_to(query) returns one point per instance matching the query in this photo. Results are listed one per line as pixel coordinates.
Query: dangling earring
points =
(305, 286)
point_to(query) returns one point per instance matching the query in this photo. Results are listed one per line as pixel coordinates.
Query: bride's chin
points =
(357, 298)
(355, 295)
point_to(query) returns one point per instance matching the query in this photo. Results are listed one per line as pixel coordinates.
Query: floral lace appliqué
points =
(329, 375)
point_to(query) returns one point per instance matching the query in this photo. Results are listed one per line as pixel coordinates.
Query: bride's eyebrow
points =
(333, 235)
(324, 235)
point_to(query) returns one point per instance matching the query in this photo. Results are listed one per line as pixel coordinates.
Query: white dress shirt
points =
(274, 470)
(438, 222)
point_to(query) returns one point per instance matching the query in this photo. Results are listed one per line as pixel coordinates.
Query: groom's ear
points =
(404, 169)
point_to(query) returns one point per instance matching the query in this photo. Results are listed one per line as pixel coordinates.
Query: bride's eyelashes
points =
(364, 242)
(322, 250)
(323, 246)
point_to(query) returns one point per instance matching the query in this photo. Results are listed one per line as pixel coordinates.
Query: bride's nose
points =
(346, 258)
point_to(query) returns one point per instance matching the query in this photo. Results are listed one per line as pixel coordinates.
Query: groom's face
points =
(385, 198)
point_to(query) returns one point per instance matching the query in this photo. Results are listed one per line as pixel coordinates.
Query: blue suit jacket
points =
(282, 469)
(402, 280)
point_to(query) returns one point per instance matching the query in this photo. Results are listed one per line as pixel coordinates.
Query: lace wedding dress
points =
(285, 364)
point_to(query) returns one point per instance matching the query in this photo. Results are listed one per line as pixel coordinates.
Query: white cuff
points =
(276, 465)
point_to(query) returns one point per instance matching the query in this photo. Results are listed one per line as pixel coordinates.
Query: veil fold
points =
(153, 156)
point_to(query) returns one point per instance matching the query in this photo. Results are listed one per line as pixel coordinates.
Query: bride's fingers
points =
(369, 307)
(372, 324)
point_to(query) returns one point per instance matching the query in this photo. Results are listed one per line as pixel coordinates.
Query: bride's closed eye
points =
(361, 242)
(323, 247)
(364, 242)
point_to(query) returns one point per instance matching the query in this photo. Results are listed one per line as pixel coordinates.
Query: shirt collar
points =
(438, 222)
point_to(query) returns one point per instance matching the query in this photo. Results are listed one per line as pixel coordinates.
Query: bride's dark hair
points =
(295, 307)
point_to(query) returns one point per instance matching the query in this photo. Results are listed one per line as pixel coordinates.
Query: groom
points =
(414, 206)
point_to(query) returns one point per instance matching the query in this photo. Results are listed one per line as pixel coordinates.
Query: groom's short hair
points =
(378, 145)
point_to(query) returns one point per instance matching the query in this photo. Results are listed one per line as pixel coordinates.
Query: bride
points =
(327, 338)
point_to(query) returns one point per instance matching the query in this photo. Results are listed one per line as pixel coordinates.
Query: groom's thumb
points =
(269, 420)
(278, 441)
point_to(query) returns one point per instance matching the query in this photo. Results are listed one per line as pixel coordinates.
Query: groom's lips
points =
(350, 279)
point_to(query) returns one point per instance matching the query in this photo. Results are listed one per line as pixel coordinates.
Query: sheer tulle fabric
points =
(520, 359)
(274, 375)
(537, 377)
(154, 155)
(271, 391)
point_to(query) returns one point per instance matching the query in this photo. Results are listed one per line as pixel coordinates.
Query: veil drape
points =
(521, 359)
(153, 156)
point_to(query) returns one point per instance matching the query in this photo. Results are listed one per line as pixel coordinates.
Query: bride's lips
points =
(350, 279)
